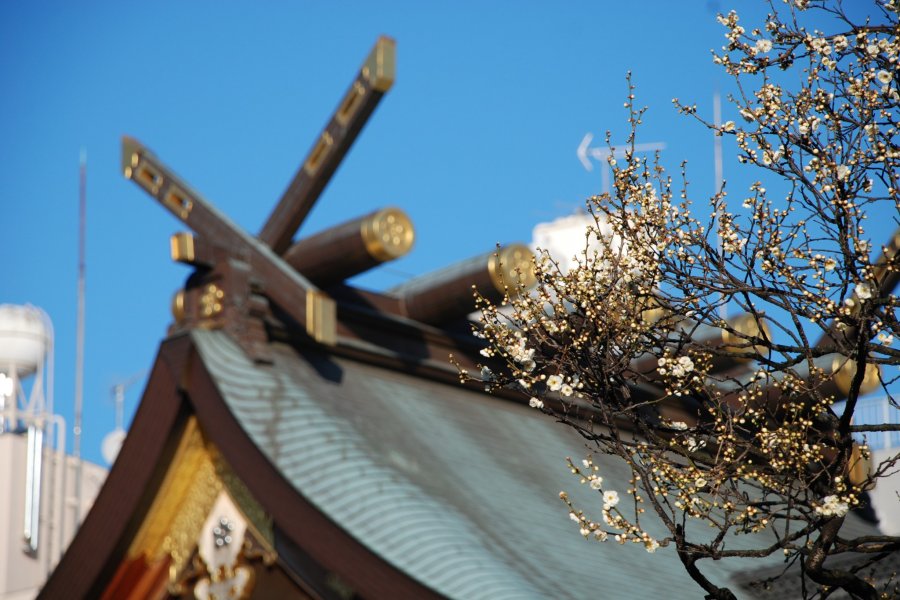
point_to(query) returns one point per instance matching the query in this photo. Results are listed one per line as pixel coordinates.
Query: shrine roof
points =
(455, 488)
(401, 485)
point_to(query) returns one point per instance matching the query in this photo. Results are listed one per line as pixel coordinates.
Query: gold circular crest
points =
(510, 266)
(844, 369)
(388, 234)
(747, 326)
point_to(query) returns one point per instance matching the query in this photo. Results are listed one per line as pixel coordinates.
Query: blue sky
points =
(476, 141)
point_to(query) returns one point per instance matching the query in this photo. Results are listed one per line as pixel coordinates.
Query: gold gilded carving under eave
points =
(193, 481)
(187, 493)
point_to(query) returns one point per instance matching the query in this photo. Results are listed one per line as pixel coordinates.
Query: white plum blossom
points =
(535, 403)
(519, 351)
(843, 171)
(596, 482)
(684, 366)
(863, 291)
(681, 367)
(651, 546)
(884, 77)
(566, 390)
(820, 45)
(693, 445)
(554, 382)
(732, 241)
(610, 499)
(763, 46)
(833, 506)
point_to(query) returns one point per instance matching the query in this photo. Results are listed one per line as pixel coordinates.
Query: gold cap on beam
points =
(844, 370)
(747, 326)
(352, 247)
(380, 67)
(447, 294)
(510, 266)
(388, 234)
(130, 157)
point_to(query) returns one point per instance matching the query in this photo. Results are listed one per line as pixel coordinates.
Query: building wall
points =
(21, 575)
(884, 446)
(886, 495)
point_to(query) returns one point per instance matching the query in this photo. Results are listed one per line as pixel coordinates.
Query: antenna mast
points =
(717, 156)
(79, 339)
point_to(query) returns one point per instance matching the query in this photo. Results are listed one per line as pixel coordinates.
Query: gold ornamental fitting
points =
(178, 311)
(181, 247)
(844, 369)
(388, 234)
(747, 326)
(380, 67)
(320, 151)
(321, 317)
(211, 301)
(130, 156)
(510, 266)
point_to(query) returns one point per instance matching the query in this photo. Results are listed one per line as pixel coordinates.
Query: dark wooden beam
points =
(352, 247)
(303, 301)
(448, 294)
(374, 79)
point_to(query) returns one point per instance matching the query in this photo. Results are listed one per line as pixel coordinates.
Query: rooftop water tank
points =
(24, 336)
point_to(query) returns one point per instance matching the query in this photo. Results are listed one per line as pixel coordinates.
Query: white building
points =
(23, 571)
(884, 446)
(40, 496)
